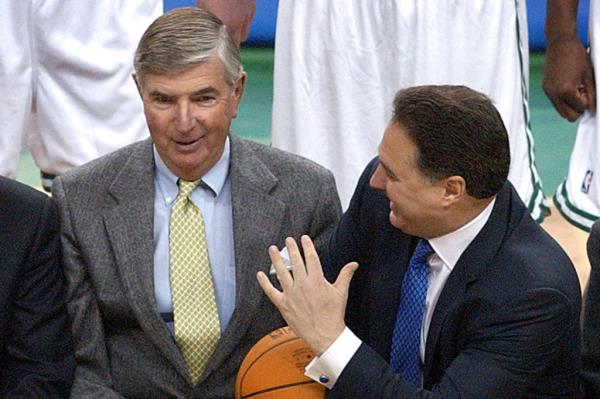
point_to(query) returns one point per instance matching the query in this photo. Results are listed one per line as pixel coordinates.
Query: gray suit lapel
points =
(129, 221)
(257, 222)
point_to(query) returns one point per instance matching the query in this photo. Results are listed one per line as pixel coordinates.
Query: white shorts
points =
(65, 75)
(339, 63)
(578, 196)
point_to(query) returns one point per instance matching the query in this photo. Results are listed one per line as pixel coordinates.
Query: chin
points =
(402, 225)
(395, 221)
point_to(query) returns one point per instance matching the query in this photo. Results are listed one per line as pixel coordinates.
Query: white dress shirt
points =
(448, 248)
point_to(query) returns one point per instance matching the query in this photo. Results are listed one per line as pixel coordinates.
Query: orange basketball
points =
(274, 369)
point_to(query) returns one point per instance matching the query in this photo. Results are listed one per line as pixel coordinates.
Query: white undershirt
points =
(448, 248)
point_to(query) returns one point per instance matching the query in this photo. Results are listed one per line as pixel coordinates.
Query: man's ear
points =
(137, 84)
(238, 92)
(455, 188)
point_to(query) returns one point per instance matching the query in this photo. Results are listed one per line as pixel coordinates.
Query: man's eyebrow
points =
(156, 93)
(199, 92)
(205, 90)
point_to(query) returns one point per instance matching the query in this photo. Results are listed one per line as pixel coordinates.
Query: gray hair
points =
(184, 38)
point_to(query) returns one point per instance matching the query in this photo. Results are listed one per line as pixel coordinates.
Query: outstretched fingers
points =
(313, 264)
(343, 280)
(274, 295)
(296, 260)
(283, 275)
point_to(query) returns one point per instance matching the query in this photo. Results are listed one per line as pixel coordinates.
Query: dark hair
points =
(458, 132)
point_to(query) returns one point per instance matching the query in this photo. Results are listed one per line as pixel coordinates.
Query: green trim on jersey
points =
(575, 216)
(537, 206)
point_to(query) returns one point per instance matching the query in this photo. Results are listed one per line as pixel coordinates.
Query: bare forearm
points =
(237, 15)
(568, 70)
(561, 20)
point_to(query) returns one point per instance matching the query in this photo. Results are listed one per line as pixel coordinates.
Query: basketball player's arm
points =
(236, 14)
(568, 71)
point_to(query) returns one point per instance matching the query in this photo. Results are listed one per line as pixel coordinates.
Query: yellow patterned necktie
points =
(197, 327)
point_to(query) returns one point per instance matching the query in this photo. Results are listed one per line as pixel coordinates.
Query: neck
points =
(461, 214)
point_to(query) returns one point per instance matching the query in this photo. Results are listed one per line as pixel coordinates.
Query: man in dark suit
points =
(590, 351)
(162, 239)
(459, 293)
(36, 355)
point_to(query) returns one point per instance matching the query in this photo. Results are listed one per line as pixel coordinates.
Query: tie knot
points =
(422, 252)
(186, 187)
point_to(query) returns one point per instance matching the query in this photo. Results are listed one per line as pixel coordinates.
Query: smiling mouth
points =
(188, 145)
(189, 142)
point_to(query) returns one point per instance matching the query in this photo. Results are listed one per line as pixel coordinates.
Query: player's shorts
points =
(338, 65)
(578, 196)
(65, 75)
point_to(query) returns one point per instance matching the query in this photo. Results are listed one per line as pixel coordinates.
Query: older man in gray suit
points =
(162, 239)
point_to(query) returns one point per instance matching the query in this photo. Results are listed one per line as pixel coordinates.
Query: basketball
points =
(274, 369)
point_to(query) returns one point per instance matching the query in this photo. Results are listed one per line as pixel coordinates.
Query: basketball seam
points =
(277, 388)
(258, 357)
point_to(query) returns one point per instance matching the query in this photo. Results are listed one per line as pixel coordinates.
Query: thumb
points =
(343, 280)
(590, 91)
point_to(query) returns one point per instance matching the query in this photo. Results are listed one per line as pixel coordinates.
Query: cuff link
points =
(323, 379)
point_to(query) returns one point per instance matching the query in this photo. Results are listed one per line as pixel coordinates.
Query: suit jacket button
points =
(323, 379)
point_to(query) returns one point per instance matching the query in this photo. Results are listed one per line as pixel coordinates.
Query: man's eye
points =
(205, 100)
(161, 99)
(390, 175)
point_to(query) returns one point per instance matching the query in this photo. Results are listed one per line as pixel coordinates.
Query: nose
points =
(184, 120)
(378, 179)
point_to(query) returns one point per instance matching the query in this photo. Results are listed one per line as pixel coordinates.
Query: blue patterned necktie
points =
(407, 332)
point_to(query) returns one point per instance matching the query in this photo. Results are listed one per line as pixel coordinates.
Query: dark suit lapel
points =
(471, 264)
(386, 281)
(257, 223)
(129, 221)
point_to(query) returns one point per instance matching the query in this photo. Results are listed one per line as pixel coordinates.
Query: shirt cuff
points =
(327, 368)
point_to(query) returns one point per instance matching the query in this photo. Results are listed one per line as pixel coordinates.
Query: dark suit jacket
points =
(505, 325)
(123, 347)
(36, 355)
(591, 320)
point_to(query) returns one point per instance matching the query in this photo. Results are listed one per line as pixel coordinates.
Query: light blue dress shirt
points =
(213, 197)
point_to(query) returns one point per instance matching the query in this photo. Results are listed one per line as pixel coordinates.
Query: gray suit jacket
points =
(123, 347)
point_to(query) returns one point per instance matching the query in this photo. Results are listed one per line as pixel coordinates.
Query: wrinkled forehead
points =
(211, 69)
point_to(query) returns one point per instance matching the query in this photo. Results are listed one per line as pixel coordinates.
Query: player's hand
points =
(312, 307)
(236, 14)
(569, 78)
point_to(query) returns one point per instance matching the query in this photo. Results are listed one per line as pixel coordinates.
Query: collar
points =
(214, 179)
(450, 247)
